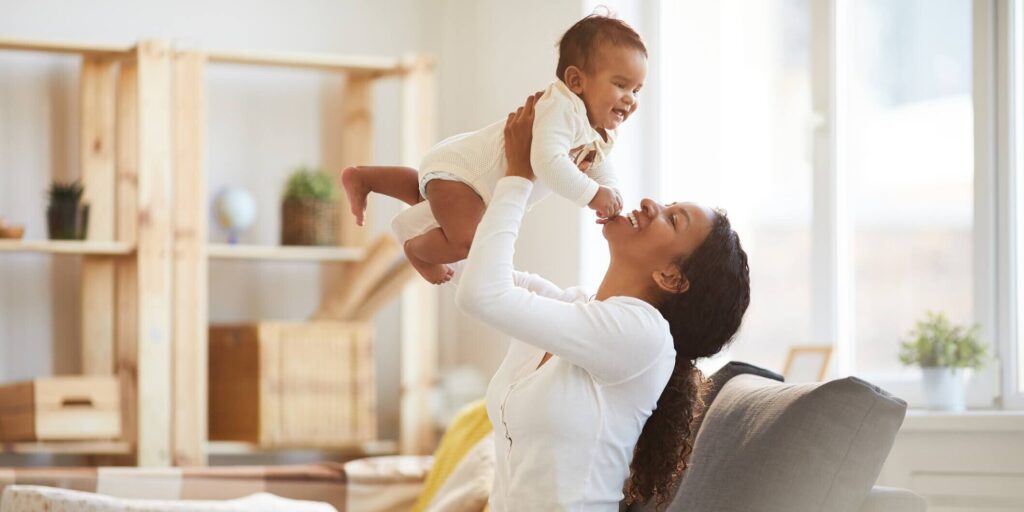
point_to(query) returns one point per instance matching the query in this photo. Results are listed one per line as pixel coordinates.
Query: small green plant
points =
(935, 342)
(65, 193)
(310, 184)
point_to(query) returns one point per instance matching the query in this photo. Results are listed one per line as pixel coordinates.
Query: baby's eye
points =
(636, 91)
(620, 86)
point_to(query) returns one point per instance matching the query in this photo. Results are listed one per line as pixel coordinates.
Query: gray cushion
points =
(731, 369)
(774, 447)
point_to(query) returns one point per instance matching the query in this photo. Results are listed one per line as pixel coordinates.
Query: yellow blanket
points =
(467, 429)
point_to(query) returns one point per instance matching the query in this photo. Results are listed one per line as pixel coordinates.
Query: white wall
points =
(960, 462)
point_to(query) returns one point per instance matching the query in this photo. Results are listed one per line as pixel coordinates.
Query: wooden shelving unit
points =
(124, 161)
(144, 267)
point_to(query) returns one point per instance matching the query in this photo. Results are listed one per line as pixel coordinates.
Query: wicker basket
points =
(293, 384)
(309, 222)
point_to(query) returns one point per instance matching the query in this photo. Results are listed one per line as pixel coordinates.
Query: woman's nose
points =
(649, 207)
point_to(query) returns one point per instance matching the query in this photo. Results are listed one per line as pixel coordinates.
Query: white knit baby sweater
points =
(564, 432)
(562, 136)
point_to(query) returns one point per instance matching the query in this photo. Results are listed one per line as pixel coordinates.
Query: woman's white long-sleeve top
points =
(564, 432)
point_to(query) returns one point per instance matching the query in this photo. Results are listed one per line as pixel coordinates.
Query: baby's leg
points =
(457, 209)
(401, 183)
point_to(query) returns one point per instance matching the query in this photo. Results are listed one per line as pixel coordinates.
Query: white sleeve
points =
(549, 154)
(613, 340)
(605, 174)
(527, 281)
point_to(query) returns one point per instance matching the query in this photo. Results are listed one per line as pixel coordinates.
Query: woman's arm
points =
(612, 340)
(526, 280)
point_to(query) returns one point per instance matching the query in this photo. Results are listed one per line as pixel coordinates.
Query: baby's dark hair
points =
(580, 44)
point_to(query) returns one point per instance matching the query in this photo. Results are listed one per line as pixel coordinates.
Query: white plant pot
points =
(945, 388)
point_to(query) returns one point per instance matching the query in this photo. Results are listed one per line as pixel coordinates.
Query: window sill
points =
(921, 420)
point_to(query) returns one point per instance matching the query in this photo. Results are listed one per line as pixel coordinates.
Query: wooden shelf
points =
(68, 247)
(352, 64)
(65, 47)
(69, 447)
(284, 253)
(372, 448)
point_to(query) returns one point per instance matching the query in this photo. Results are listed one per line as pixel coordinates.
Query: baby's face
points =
(610, 91)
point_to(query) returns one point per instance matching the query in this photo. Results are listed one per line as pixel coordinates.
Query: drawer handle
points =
(76, 402)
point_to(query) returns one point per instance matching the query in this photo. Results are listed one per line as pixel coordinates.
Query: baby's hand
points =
(607, 202)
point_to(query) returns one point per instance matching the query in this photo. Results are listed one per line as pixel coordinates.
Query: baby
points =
(602, 65)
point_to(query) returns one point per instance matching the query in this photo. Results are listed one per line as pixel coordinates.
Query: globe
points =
(235, 209)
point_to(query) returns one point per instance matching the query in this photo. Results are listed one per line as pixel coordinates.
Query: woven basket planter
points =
(309, 222)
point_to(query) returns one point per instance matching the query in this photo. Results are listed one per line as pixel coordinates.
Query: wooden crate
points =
(61, 409)
(292, 384)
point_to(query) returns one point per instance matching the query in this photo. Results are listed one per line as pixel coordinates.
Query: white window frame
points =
(1010, 39)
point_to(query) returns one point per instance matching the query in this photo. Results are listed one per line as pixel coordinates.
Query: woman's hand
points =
(518, 138)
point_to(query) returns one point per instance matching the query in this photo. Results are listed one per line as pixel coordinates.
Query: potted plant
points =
(947, 354)
(309, 211)
(66, 217)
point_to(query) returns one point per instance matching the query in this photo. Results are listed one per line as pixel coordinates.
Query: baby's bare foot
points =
(434, 273)
(357, 189)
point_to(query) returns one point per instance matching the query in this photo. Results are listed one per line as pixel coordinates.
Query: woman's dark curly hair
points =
(703, 319)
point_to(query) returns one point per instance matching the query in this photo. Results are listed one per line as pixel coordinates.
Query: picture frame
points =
(807, 363)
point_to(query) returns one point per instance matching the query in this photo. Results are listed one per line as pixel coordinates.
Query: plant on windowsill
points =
(66, 217)
(309, 212)
(947, 354)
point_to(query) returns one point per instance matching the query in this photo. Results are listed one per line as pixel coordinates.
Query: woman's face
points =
(657, 235)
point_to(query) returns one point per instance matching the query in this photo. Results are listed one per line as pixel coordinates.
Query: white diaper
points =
(440, 175)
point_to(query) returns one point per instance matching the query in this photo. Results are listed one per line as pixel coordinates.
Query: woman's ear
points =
(574, 79)
(671, 280)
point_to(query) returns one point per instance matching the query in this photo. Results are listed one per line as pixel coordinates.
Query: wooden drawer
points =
(292, 384)
(60, 409)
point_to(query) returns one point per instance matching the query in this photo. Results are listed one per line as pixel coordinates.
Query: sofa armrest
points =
(891, 499)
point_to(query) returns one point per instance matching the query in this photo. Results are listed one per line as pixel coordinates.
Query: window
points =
(849, 248)
(909, 169)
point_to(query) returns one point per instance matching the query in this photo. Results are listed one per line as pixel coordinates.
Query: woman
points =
(600, 388)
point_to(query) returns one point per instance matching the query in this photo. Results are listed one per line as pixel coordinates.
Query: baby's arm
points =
(608, 200)
(549, 154)
(605, 175)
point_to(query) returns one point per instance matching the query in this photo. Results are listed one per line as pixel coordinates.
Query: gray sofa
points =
(768, 446)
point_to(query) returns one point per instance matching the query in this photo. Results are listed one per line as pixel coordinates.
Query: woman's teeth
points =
(632, 220)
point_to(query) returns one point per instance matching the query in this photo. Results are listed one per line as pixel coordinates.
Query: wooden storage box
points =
(61, 409)
(293, 384)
